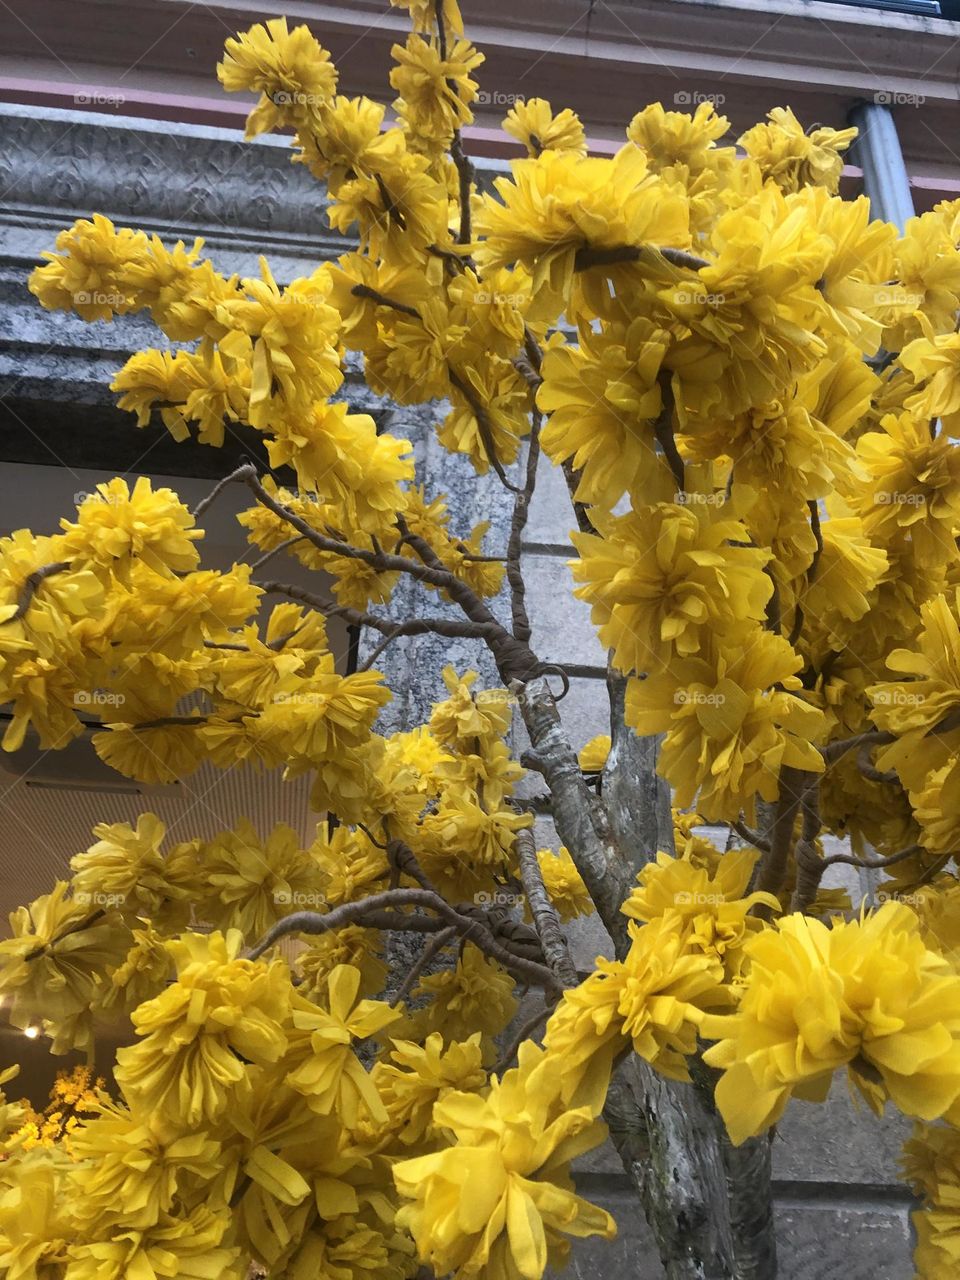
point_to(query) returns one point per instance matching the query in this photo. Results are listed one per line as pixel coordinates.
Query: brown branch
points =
(772, 871)
(379, 648)
(869, 770)
(575, 817)
(589, 256)
(219, 487)
(365, 291)
(810, 865)
(465, 173)
(432, 949)
(545, 917)
(484, 426)
(572, 478)
(447, 627)
(31, 585)
(798, 616)
(521, 510)
(663, 432)
(834, 751)
(876, 864)
(751, 837)
(524, 1032)
(313, 922)
(268, 555)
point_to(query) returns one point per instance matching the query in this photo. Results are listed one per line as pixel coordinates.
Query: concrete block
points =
(562, 630)
(551, 519)
(843, 1242)
(838, 1142)
(851, 1240)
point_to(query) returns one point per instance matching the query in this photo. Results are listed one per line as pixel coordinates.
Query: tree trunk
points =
(668, 1137)
(751, 1207)
(637, 802)
(665, 1136)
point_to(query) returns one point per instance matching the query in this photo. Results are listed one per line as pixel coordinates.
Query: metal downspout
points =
(878, 152)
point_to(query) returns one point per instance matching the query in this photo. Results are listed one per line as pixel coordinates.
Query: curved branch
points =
(314, 922)
(588, 257)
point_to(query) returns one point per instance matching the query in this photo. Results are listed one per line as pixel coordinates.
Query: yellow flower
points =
(650, 999)
(593, 756)
(673, 137)
(424, 1075)
(466, 715)
(499, 1200)
(126, 868)
(151, 379)
(325, 1067)
(352, 945)
(90, 273)
(340, 456)
(864, 994)
(198, 1034)
(561, 202)
(249, 883)
(912, 487)
(424, 14)
(12, 1114)
(52, 971)
(36, 1227)
(294, 334)
(913, 708)
(563, 883)
(114, 527)
(532, 122)
(435, 92)
(713, 904)
(603, 398)
(931, 1164)
(659, 577)
(476, 995)
(289, 69)
(731, 722)
(177, 1247)
(131, 1168)
(793, 158)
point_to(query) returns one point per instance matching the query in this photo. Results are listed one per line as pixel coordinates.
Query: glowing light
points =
(31, 1032)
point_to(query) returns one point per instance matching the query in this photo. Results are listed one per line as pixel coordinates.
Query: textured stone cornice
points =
(244, 198)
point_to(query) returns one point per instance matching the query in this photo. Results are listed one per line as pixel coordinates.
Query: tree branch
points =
(31, 585)
(545, 918)
(481, 935)
(521, 510)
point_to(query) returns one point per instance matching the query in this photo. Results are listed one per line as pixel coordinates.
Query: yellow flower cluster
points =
(867, 995)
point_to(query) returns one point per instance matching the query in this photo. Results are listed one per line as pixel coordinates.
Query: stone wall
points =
(841, 1211)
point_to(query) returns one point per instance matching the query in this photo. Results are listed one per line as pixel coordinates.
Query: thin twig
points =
(588, 256)
(485, 428)
(521, 510)
(433, 948)
(524, 1032)
(267, 556)
(219, 487)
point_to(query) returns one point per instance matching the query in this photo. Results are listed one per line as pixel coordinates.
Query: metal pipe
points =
(878, 152)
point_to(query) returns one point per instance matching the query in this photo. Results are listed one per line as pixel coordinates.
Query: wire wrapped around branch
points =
(477, 927)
